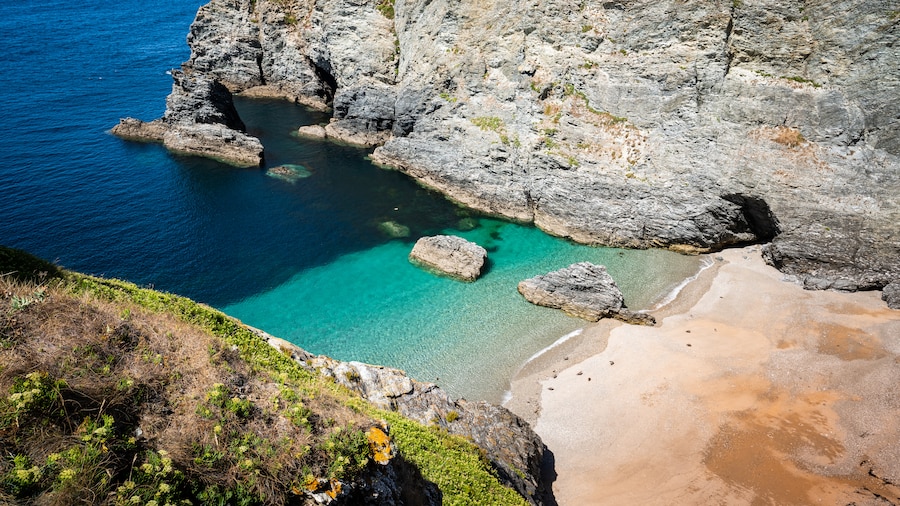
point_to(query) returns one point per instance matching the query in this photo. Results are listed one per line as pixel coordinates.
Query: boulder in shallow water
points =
(450, 255)
(584, 290)
(891, 295)
(312, 131)
(393, 229)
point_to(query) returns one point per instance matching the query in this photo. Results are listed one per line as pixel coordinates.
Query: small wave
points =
(673, 294)
(556, 343)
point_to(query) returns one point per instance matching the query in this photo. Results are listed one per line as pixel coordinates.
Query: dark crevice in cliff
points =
(259, 66)
(760, 219)
(729, 54)
(329, 83)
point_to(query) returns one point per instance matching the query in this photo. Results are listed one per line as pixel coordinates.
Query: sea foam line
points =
(556, 343)
(673, 294)
(507, 395)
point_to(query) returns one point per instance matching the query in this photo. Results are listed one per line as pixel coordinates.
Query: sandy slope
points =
(750, 391)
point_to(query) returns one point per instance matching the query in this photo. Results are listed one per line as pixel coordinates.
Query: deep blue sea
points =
(307, 260)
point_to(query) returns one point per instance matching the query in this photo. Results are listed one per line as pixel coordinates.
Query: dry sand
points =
(750, 390)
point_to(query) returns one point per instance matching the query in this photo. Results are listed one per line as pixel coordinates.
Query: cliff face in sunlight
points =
(687, 125)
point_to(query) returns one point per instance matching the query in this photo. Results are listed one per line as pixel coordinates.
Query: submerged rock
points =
(450, 255)
(289, 172)
(891, 295)
(393, 229)
(584, 290)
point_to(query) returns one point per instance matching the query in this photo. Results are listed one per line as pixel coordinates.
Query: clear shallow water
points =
(376, 307)
(306, 260)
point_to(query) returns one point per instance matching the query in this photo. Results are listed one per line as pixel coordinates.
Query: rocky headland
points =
(200, 120)
(636, 124)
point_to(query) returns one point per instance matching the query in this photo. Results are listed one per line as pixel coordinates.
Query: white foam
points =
(556, 343)
(673, 294)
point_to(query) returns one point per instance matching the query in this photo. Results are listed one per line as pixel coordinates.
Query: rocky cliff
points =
(200, 120)
(690, 126)
(512, 447)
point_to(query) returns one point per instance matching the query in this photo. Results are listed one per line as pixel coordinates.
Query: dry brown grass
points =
(154, 376)
(787, 136)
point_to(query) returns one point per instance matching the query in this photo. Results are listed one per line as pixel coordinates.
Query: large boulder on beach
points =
(891, 295)
(449, 255)
(584, 290)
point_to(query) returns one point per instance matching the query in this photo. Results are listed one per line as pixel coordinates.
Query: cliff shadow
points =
(548, 477)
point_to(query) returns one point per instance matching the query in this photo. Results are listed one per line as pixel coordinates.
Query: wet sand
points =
(750, 390)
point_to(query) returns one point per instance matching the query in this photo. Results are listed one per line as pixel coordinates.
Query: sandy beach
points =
(749, 390)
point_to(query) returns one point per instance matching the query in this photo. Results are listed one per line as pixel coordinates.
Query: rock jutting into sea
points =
(450, 255)
(690, 127)
(200, 120)
(584, 290)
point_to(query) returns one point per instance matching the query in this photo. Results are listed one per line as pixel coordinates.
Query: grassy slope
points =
(116, 394)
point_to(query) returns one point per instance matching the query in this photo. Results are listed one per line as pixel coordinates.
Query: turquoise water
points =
(308, 258)
(470, 338)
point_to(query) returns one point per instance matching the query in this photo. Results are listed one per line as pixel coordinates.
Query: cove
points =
(355, 296)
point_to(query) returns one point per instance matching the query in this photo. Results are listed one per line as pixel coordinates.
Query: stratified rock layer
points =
(450, 255)
(584, 290)
(691, 126)
(510, 444)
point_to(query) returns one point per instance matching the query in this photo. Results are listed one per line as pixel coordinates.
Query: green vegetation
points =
(115, 394)
(607, 118)
(802, 80)
(448, 97)
(586, 28)
(796, 79)
(491, 123)
(386, 8)
(495, 124)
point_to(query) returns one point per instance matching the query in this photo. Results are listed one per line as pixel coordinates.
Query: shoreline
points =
(750, 389)
(591, 339)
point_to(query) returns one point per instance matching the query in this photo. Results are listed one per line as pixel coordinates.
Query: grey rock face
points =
(584, 290)
(691, 127)
(450, 255)
(512, 447)
(891, 295)
(201, 120)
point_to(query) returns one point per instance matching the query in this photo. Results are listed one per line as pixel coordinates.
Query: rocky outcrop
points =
(584, 290)
(891, 295)
(510, 444)
(636, 124)
(450, 255)
(200, 120)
